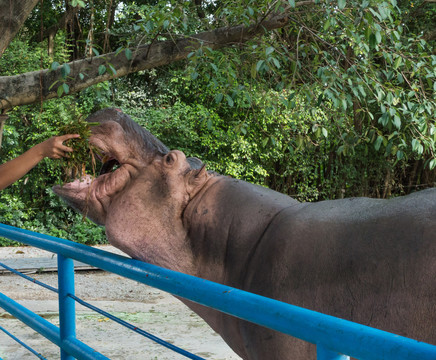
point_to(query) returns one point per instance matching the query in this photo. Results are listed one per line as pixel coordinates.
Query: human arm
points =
(16, 168)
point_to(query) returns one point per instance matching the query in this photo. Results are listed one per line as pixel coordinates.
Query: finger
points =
(68, 136)
(63, 154)
(63, 147)
(63, 138)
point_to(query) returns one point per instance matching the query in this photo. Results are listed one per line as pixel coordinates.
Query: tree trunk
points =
(3, 118)
(109, 23)
(13, 13)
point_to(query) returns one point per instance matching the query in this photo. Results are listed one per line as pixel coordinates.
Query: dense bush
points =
(286, 146)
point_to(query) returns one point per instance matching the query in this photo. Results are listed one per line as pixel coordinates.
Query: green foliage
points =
(340, 102)
(284, 145)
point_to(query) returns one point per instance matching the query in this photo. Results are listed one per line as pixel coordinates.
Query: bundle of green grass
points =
(83, 159)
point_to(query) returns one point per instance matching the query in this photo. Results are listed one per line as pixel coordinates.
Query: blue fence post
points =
(67, 311)
(322, 353)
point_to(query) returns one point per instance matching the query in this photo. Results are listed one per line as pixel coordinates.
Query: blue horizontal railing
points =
(332, 336)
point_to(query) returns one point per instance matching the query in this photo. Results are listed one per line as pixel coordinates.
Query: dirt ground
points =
(147, 308)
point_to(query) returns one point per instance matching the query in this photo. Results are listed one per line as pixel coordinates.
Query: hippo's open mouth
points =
(108, 166)
(90, 193)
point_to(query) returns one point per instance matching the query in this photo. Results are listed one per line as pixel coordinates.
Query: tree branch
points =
(27, 89)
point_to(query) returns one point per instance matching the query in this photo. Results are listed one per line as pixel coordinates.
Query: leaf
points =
(400, 78)
(397, 121)
(66, 88)
(362, 90)
(273, 141)
(415, 144)
(372, 41)
(400, 155)
(218, 98)
(341, 4)
(265, 142)
(101, 69)
(65, 70)
(291, 3)
(259, 65)
(378, 142)
(398, 62)
(253, 71)
(60, 90)
(95, 51)
(54, 65)
(81, 76)
(276, 62)
(230, 100)
(344, 104)
(128, 54)
(209, 123)
(113, 70)
(269, 50)
(383, 10)
(378, 37)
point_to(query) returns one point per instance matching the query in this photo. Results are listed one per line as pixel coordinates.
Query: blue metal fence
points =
(331, 335)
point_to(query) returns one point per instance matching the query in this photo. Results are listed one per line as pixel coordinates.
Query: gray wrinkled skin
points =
(366, 260)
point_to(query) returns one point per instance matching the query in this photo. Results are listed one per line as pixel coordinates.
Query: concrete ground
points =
(147, 308)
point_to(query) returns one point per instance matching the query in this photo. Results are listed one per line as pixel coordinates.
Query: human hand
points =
(54, 148)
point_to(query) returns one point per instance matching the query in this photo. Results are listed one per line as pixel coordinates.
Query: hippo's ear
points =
(195, 179)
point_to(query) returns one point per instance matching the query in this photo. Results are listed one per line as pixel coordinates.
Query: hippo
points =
(371, 261)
